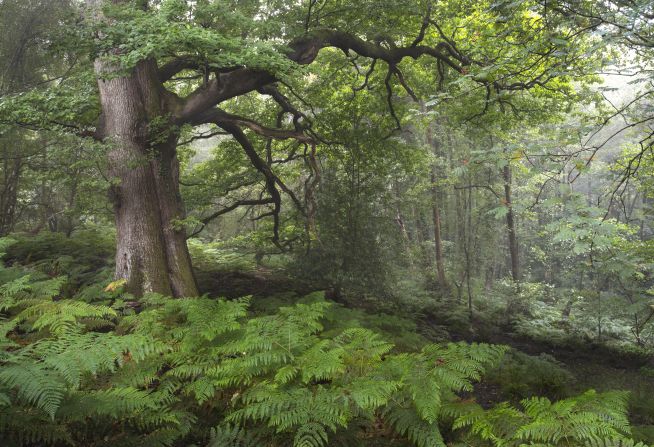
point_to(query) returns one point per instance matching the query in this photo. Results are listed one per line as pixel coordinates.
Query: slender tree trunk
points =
(438, 241)
(69, 223)
(151, 252)
(468, 245)
(488, 280)
(510, 225)
(9, 193)
(422, 230)
(436, 216)
(399, 217)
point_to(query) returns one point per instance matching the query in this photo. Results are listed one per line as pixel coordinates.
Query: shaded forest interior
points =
(379, 223)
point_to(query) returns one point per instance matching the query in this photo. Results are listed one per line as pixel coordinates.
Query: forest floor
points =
(263, 282)
(591, 366)
(534, 367)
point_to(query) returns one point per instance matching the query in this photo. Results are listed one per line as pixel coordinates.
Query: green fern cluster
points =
(85, 258)
(55, 374)
(277, 371)
(75, 373)
(78, 372)
(588, 420)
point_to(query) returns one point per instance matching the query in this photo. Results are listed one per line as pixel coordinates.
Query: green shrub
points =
(520, 375)
(216, 256)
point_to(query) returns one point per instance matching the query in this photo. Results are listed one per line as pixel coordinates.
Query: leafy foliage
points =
(520, 376)
(83, 372)
(416, 108)
(590, 420)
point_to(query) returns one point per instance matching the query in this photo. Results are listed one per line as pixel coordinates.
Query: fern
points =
(616, 443)
(233, 436)
(62, 316)
(311, 434)
(588, 420)
(405, 422)
(89, 374)
(34, 385)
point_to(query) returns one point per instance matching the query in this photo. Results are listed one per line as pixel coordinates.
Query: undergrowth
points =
(112, 370)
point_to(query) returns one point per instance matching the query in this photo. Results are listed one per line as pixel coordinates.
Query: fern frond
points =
(406, 423)
(34, 384)
(233, 436)
(311, 434)
(62, 316)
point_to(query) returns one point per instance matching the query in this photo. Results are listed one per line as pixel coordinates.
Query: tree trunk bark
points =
(510, 224)
(436, 215)
(180, 271)
(151, 250)
(438, 242)
(468, 245)
(9, 193)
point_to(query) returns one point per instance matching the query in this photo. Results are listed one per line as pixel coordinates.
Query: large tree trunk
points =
(166, 175)
(151, 254)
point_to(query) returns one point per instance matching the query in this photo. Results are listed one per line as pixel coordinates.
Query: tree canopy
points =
(326, 222)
